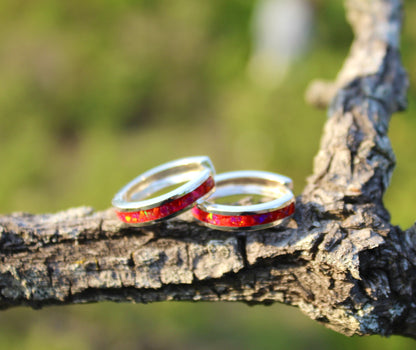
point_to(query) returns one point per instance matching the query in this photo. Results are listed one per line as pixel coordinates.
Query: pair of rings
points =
(196, 186)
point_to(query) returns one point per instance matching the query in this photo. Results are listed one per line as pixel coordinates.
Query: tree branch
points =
(338, 259)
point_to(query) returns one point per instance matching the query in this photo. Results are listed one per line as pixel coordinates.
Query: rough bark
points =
(338, 259)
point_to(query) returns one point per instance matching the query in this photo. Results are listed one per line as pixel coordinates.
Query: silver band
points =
(194, 171)
(275, 186)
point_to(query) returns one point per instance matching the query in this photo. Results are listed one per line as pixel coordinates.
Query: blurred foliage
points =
(93, 93)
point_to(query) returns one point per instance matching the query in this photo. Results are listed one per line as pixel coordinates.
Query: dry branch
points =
(338, 259)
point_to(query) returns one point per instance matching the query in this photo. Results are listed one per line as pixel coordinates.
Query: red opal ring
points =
(276, 188)
(137, 204)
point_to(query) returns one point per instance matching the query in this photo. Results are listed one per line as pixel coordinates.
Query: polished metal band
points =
(247, 217)
(132, 202)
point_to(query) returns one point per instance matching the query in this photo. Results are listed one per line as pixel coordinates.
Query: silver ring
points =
(133, 205)
(247, 217)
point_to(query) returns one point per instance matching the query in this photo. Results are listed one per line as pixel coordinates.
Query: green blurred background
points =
(94, 92)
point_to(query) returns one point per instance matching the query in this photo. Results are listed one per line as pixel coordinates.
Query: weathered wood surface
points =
(338, 259)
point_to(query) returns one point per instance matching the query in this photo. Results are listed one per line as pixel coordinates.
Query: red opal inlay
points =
(243, 220)
(139, 216)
